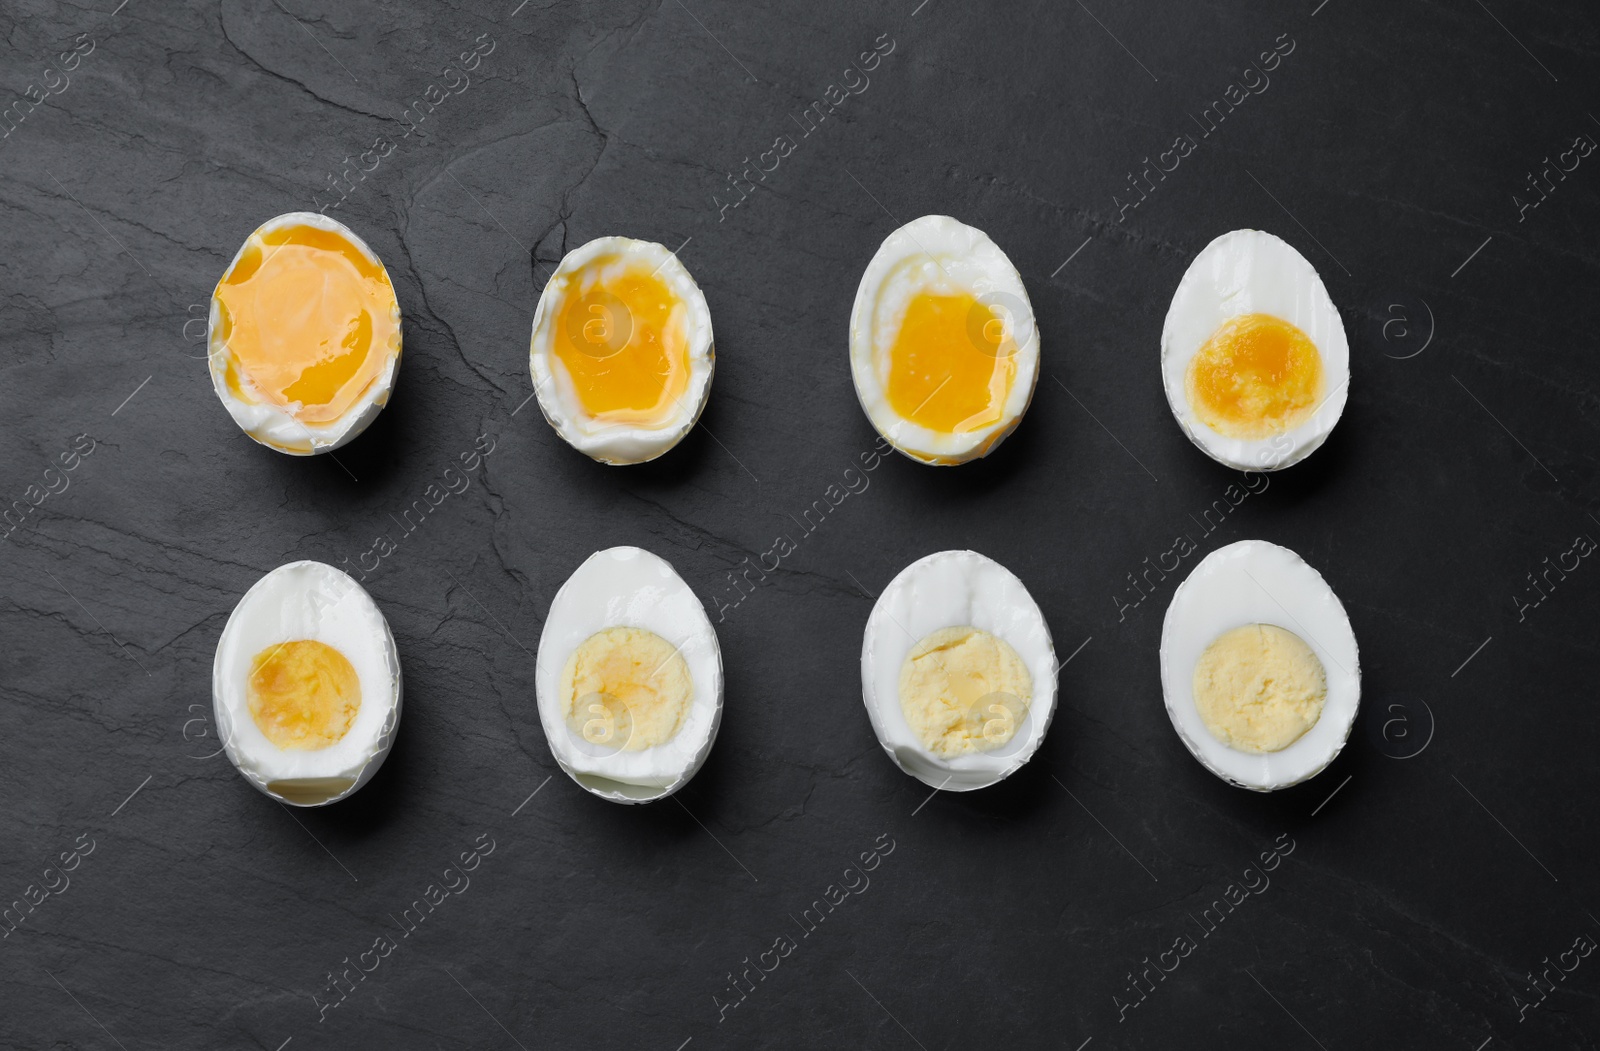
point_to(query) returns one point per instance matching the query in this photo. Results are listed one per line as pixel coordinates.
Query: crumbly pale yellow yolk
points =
(626, 688)
(1256, 376)
(963, 690)
(1259, 688)
(303, 694)
(309, 318)
(945, 372)
(624, 340)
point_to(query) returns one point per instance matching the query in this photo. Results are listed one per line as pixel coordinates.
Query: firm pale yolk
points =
(303, 694)
(626, 689)
(1257, 376)
(951, 365)
(623, 337)
(963, 690)
(309, 319)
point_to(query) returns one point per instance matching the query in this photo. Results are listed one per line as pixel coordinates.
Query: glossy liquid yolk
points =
(951, 365)
(1256, 376)
(624, 341)
(309, 319)
(303, 694)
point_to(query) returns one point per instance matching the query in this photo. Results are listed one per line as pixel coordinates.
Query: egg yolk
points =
(625, 689)
(622, 334)
(303, 694)
(309, 318)
(952, 364)
(963, 690)
(1257, 376)
(1259, 688)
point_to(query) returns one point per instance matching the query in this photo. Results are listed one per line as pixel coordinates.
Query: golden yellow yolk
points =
(1258, 688)
(951, 365)
(303, 694)
(963, 690)
(309, 319)
(625, 689)
(624, 340)
(1256, 376)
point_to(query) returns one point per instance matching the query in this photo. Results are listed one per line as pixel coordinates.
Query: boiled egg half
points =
(944, 349)
(304, 335)
(306, 685)
(622, 353)
(1253, 353)
(1259, 666)
(629, 677)
(957, 671)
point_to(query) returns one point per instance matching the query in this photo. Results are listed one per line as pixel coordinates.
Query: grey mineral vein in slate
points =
(1433, 161)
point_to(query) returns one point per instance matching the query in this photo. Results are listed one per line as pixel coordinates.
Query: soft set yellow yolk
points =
(309, 318)
(1259, 687)
(1257, 376)
(951, 365)
(626, 689)
(303, 694)
(624, 340)
(963, 690)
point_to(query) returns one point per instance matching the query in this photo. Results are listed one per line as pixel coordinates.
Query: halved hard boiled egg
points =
(306, 685)
(622, 353)
(957, 671)
(944, 349)
(304, 335)
(1259, 666)
(628, 677)
(1253, 353)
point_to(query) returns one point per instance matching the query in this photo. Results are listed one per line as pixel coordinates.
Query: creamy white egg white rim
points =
(949, 589)
(308, 600)
(941, 255)
(1254, 272)
(630, 587)
(615, 443)
(1257, 582)
(277, 428)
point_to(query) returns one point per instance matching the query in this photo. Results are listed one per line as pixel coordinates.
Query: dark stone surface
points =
(1417, 898)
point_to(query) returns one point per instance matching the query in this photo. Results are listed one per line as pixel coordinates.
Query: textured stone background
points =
(1449, 851)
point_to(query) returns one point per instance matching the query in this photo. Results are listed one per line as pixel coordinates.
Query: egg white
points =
(1256, 582)
(278, 428)
(942, 590)
(308, 600)
(630, 587)
(558, 400)
(1253, 272)
(942, 256)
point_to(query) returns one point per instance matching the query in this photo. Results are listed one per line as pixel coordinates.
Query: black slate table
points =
(1426, 891)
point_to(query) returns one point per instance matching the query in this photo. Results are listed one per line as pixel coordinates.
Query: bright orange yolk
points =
(951, 365)
(622, 334)
(1257, 376)
(309, 318)
(303, 694)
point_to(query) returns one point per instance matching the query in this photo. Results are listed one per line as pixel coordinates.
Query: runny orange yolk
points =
(952, 364)
(622, 334)
(303, 694)
(309, 319)
(1257, 376)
